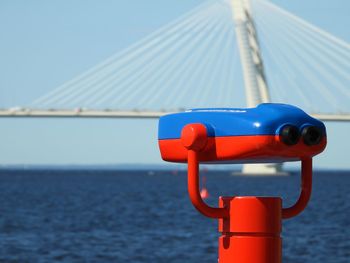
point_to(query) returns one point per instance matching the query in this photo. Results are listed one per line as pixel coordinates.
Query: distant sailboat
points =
(204, 192)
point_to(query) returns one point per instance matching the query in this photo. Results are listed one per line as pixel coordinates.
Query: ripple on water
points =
(77, 216)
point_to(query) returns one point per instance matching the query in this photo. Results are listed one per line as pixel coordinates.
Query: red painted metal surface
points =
(305, 194)
(193, 190)
(235, 149)
(252, 231)
(250, 226)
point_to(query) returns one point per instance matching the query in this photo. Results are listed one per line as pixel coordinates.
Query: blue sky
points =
(45, 43)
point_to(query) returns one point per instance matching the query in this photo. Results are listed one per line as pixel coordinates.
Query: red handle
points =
(193, 190)
(305, 194)
(194, 138)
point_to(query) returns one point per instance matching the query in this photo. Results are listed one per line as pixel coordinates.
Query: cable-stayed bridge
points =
(205, 59)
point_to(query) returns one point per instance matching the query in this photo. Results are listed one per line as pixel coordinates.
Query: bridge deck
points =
(122, 114)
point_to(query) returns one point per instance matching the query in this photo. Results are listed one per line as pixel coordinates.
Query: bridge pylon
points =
(256, 86)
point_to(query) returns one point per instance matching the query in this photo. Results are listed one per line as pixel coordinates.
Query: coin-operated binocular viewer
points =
(250, 225)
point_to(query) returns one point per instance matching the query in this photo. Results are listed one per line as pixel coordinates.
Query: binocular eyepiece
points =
(311, 135)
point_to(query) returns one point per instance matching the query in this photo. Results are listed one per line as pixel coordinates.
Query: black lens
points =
(312, 135)
(289, 134)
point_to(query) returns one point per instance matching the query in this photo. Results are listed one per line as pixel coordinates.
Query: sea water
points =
(146, 216)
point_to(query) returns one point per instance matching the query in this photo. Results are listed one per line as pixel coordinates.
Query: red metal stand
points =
(251, 234)
(250, 226)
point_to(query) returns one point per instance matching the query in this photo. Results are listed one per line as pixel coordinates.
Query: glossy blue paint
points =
(265, 119)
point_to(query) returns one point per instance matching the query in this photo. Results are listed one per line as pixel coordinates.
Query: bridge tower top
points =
(255, 83)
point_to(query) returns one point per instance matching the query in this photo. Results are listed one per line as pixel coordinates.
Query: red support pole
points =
(251, 234)
(250, 226)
